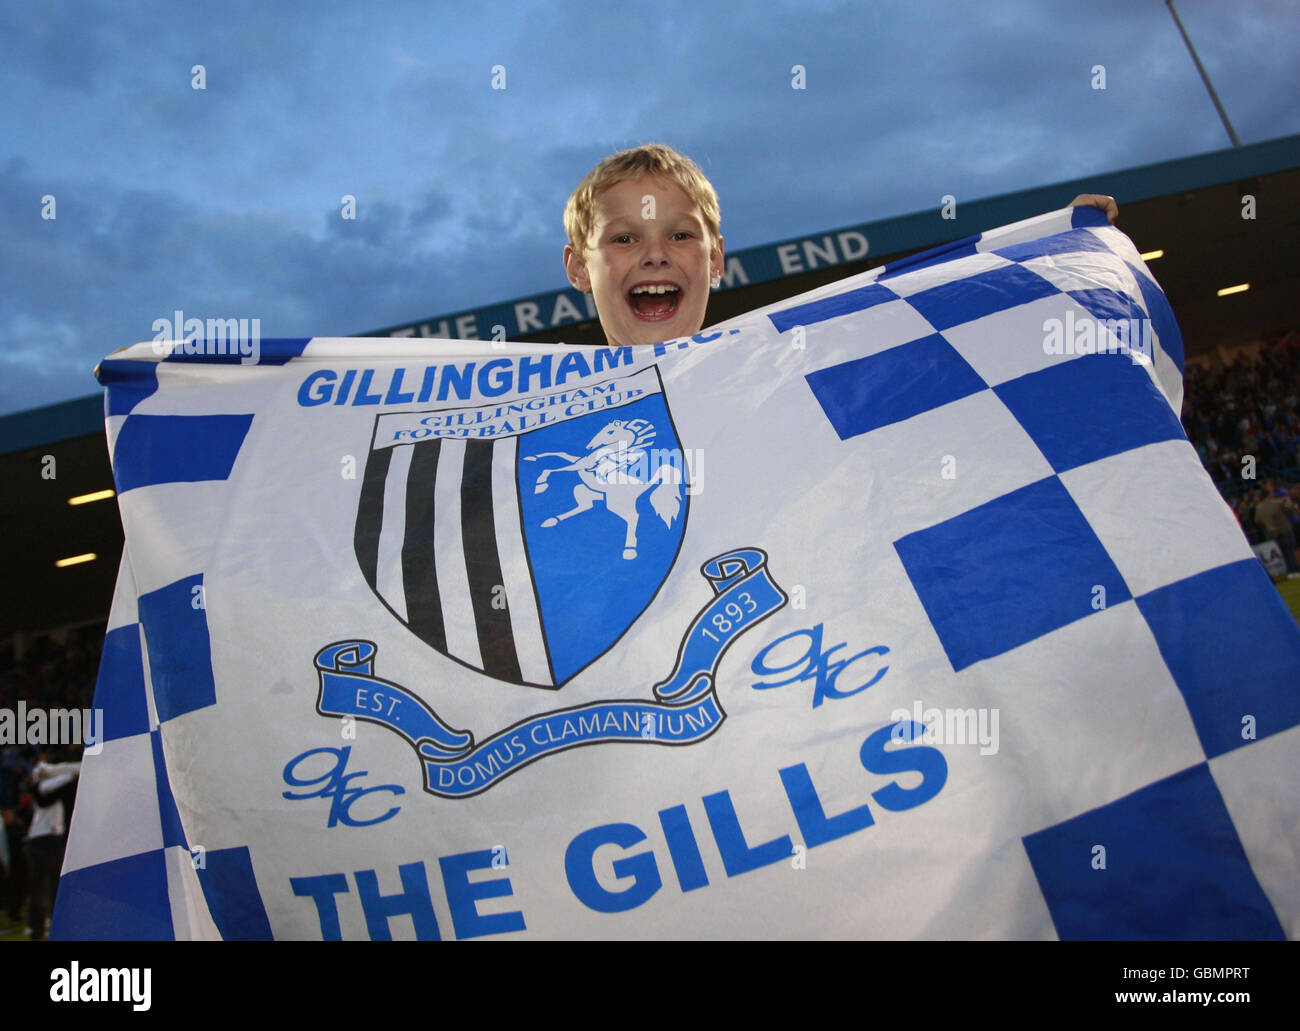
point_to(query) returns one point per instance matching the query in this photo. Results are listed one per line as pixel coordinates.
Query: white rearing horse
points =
(608, 473)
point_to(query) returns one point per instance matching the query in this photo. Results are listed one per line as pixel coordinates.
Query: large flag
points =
(900, 609)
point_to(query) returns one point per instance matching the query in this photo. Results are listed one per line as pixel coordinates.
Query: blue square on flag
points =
(120, 691)
(1062, 243)
(122, 900)
(1235, 694)
(832, 307)
(154, 449)
(867, 393)
(1163, 863)
(230, 888)
(1090, 407)
(180, 649)
(1009, 571)
(965, 300)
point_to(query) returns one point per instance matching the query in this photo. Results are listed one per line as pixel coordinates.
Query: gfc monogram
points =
(814, 663)
(335, 784)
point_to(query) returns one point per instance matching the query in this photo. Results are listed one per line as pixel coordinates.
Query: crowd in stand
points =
(38, 781)
(1243, 416)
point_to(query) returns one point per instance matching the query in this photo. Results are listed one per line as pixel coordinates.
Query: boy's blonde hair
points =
(653, 159)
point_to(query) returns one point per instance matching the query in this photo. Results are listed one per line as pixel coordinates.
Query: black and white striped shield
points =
(523, 539)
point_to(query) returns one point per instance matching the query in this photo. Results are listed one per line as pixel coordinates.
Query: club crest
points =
(523, 539)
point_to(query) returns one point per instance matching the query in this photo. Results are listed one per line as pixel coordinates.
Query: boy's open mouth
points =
(653, 302)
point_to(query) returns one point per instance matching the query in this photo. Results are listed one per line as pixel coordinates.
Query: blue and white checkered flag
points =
(901, 609)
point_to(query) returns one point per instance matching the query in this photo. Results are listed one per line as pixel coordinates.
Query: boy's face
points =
(628, 251)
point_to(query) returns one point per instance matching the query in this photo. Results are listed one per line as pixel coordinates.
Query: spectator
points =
(54, 786)
(1271, 517)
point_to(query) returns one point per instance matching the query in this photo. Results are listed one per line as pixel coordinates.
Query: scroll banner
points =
(912, 581)
(456, 768)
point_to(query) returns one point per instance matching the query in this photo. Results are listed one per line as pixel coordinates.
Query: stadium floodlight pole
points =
(1232, 135)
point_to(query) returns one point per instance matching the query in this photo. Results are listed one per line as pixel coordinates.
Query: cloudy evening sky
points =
(225, 202)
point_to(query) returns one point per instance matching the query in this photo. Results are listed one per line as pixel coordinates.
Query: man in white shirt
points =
(53, 785)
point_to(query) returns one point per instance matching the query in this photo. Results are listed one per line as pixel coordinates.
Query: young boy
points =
(645, 238)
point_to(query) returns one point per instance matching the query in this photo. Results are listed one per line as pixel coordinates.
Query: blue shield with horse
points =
(524, 539)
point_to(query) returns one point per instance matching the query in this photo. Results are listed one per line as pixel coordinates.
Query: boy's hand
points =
(1098, 200)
